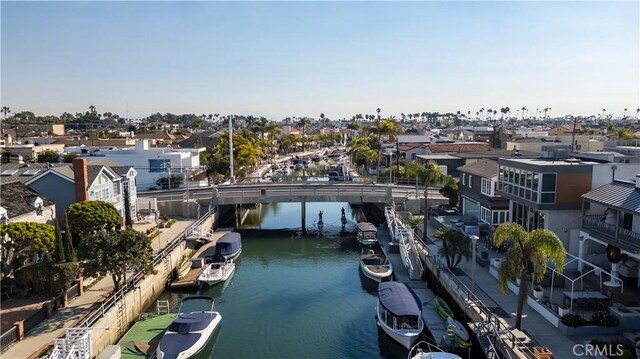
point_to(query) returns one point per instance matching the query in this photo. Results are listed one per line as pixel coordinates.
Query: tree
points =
(88, 217)
(455, 245)
(21, 241)
(59, 252)
(69, 253)
(128, 222)
(430, 176)
(48, 156)
(528, 257)
(450, 190)
(69, 157)
(115, 253)
(6, 110)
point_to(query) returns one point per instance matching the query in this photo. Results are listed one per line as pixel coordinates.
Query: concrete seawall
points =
(117, 320)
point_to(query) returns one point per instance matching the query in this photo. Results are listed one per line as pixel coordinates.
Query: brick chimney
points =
(81, 179)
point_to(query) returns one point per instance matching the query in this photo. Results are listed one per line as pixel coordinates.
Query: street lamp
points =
(474, 242)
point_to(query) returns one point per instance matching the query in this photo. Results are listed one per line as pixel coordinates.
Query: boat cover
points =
(398, 299)
(228, 244)
(366, 227)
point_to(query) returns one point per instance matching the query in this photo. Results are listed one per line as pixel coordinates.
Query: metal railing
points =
(7, 338)
(403, 235)
(491, 326)
(613, 233)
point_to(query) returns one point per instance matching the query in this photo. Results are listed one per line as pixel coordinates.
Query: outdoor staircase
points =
(163, 307)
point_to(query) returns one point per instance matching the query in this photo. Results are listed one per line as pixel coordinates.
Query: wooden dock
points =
(191, 278)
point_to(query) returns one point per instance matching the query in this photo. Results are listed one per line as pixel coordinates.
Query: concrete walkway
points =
(48, 330)
(504, 305)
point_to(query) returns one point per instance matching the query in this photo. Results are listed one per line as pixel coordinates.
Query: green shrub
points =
(154, 234)
(603, 319)
(48, 278)
(573, 320)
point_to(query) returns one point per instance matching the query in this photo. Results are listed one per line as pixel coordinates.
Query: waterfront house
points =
(478, 195)
(80, 182)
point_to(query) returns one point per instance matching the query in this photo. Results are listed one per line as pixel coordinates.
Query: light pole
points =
(232, 177)
(474, 241)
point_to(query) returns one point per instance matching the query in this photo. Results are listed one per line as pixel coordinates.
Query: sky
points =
(279, 59)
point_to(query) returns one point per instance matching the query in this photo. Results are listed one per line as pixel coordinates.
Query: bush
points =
(154, 234)
(603, 319)
(573, 320)
(48, 278)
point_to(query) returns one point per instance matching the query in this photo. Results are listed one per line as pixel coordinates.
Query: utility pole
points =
(573, 137)
(232, 178)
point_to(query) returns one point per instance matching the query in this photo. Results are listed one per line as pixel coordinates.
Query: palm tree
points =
(603, 113)
(304, 124)
(430, 175)
(637, 112)
(523, 110)
(6, 110)
(527, 258)
(455, 246)
(624, 114)
(378, 111)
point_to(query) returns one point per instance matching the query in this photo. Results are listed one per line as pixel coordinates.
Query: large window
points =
(500, 217)
(527, 217)
(159, 165)
(532, 186)
(470, 181)
(487, 187)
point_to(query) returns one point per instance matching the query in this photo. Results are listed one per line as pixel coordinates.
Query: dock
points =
(190, 279)
(434, 323)
(142, 339)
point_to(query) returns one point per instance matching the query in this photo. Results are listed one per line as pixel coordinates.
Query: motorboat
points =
(399, 313)
(442, 308)
(367, 234)
(298, 164)
(190, 331)
(374, 264)
(460, 334)
(229, 246)
(426, 350)
(217, 272)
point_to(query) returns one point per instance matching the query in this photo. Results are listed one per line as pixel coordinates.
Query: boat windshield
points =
(190, 305)
(407, 322)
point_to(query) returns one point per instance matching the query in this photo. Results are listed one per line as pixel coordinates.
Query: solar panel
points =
(8, 172)
(30, 172)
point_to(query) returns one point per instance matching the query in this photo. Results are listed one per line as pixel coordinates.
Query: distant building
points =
(152, 163)
(41, 129)
(565, 130)
(29, 152)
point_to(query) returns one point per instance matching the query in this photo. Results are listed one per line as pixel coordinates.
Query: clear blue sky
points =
(286, 59)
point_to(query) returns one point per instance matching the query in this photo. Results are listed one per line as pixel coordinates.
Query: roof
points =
(413, 139)
(18, 199)
(619, 194)
(398, 299)
(457, 147)
(497, 153)
(484, 168)
(366, 227)
(230, 237)
(10, 172)
(93, 171)
(410, 146)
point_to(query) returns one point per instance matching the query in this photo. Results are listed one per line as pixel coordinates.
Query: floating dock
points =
(435, 325)
(190, 279)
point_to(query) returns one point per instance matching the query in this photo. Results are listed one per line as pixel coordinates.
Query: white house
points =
(152, 163)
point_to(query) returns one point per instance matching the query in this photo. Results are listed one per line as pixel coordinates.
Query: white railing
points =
(403, 235)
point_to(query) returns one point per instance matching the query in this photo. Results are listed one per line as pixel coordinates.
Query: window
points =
(485, 215)
(500, 217)
(487, 187)
(464, 179)
(470, 181)
(528, 185)
(159, 165)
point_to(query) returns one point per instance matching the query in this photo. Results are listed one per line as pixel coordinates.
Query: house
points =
(29, 152)
(24, 171)
(22, 204)
(66, 185)
(152, 163)
(478, 195)
(37, 129)
(611, 223)
(564, 130)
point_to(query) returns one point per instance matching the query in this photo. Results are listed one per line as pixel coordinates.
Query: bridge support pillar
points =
(303, 211)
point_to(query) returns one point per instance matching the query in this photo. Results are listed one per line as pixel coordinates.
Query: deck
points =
(143, 337)
(191, 278)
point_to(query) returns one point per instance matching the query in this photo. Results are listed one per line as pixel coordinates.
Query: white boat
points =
(374, 264)
(399, 313)
(217, 272)
(425, 350)
(461, 335)
(367, 234)
(189, 333)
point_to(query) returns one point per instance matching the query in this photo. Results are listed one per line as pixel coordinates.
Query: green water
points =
(297, 297)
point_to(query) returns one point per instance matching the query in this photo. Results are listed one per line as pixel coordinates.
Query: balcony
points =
(626, 239)
(115, 199)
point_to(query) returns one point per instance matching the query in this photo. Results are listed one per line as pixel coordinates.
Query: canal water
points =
(296, 296)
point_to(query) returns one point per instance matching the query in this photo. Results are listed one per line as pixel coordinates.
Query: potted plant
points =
(538, 291)
(563, 310)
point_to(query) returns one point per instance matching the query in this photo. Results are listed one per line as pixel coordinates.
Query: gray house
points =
(65, 185)
(478, 196)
